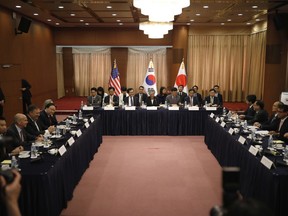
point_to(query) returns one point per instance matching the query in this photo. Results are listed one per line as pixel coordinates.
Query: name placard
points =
(70, 141)
(212, 115)
(193, 108)
(217, 119)
(87, 108)
(266, 162)
(62, 150)
(230, 131)
(211, 108)
(253, 150)
(92, 119)
(242, 140)
(78, 133)
(223, 124)
(87, 124)
(130, 108)
(109, 108)
(173, 108)
(151, 107)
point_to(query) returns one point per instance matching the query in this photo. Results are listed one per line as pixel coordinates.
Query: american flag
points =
(114, 80)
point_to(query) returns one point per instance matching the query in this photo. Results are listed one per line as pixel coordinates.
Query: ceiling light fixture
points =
(155, 30)
(205, 6)
(229, 20)
(257, 20)
(222, 23)
(72, 14)
(86, 24)
(57, 23)
(254, 6)
(109, 7)
(120, 23)
(248, 23)
(118, 20)
(49, 20)
(240, 14)
(188, 23)
(18, 6)
(35, 14)
(81, 20)
(192, 20)
(60, 7)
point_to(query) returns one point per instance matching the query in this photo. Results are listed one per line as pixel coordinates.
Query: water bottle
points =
(245, 125)
(46, 144)
(166, 104)
(185, 104)
(67, 124)
(80, 114)
(33, 151)
(285, 154)
(74, 119)
(14, 162)
(270, 142)
(224, 111)
(206, 103)
(252, 135)
(82, 104)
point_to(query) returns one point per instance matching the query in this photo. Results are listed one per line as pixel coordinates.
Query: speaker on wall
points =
(24, 25)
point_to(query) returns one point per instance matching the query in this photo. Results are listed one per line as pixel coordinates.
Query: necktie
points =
(191, 101)
(111, 99)
(280, 124)
(140, 98)
(36, 125)
(212, 100)
(21, 136)
(50, 120)
(132, 102)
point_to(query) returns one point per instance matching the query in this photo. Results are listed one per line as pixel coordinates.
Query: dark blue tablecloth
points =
(48, 185)
(152, 122)
(256, 181)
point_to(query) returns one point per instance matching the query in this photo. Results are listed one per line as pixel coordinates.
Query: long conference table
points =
(48, 184)
(256, 181)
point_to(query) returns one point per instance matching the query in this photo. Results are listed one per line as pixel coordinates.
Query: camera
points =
(8, 175)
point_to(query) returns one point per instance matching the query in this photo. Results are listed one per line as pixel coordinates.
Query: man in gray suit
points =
(173, 98)
(94, 99)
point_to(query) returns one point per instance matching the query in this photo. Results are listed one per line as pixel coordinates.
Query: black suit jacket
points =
(32, 129)
(261, 116)
(200, 100)
(249, 113)
(144, 97)
(215, 101)
(2, 97)
(44, 120)
(12, 132)
(115, 100)
(26, 93)
(182, 96)
(283, 130)
(220, 99)
(195, 100)
(135, 99)
(149, 102)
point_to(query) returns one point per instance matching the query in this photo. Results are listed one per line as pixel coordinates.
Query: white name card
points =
(266, 162)
(223, 124)
(109, 108)
(173, 108)
(78, 133)
(253, 150)
(193, 108)
(242, 140)
(87, 108)
(211, 108)
(87, 124)
(231, 131)
(92, 119)
(217, 119)
(212, 115)
(62, 150)
(151, 107)
(70, 141)
(130, 108)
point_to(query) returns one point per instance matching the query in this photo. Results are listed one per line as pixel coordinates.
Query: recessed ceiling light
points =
(240, 14)
(254, 6)
(192, 20)
(35, 14)
(120, 23)
(198, 14)
(114, 14)
(86, 23)
(60, 7)
(248, 23)
(81, 20)
(109, 7)
(49, 20)
(229, 20)
(72, 14)
(18, 6)
(205, 6)
(118, 20)
(188, 23)
(257, 20)
(57, 23)
(222, 23)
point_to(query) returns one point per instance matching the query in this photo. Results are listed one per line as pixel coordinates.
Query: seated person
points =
(212, 100)
(199, 96)
(192, 99)
(131, 100)
(173, 98)
(111, 98)
(47, 102)
(261, 115)
(34, 126)
(218, 95)
(250, 112)
(17, 132)
(101, 93)
(141, 95)
(161, 97)
(94, 100)
(182, 94)
(152, 99)
(273, 117)
(47, 116)
(123, 95)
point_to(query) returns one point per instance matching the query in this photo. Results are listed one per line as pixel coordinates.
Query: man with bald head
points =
(47, 116)
(269, 124)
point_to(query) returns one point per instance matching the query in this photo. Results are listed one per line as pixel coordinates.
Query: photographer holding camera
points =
(10, 193)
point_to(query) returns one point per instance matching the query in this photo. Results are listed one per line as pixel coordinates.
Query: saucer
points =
(24, 156)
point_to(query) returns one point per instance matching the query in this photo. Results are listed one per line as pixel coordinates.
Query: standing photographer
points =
(10, 194)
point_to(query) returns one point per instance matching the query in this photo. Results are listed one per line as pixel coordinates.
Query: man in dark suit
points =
(152, 100)
(2, 101)
(111, 98)
(261, 115)
(17, 132)
(249, 112)
(218, 95)
(141, 95)
(34, 126)
(173, 98)
(192, 99)
(199, 96)
(212, 100)
(273, 118)
(26, 94)
(182, 94)
(282, 128)
(47, 116)
(94, 100)
(131, 100)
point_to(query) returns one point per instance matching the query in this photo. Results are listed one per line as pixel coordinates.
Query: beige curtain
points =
(60, 74)
(235, 62)
(138, 60)
(92, 68)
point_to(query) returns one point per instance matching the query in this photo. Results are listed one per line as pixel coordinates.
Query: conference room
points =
(97, 63)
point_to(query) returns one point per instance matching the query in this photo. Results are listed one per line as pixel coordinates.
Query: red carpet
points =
(148, 176)
(73, 103)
